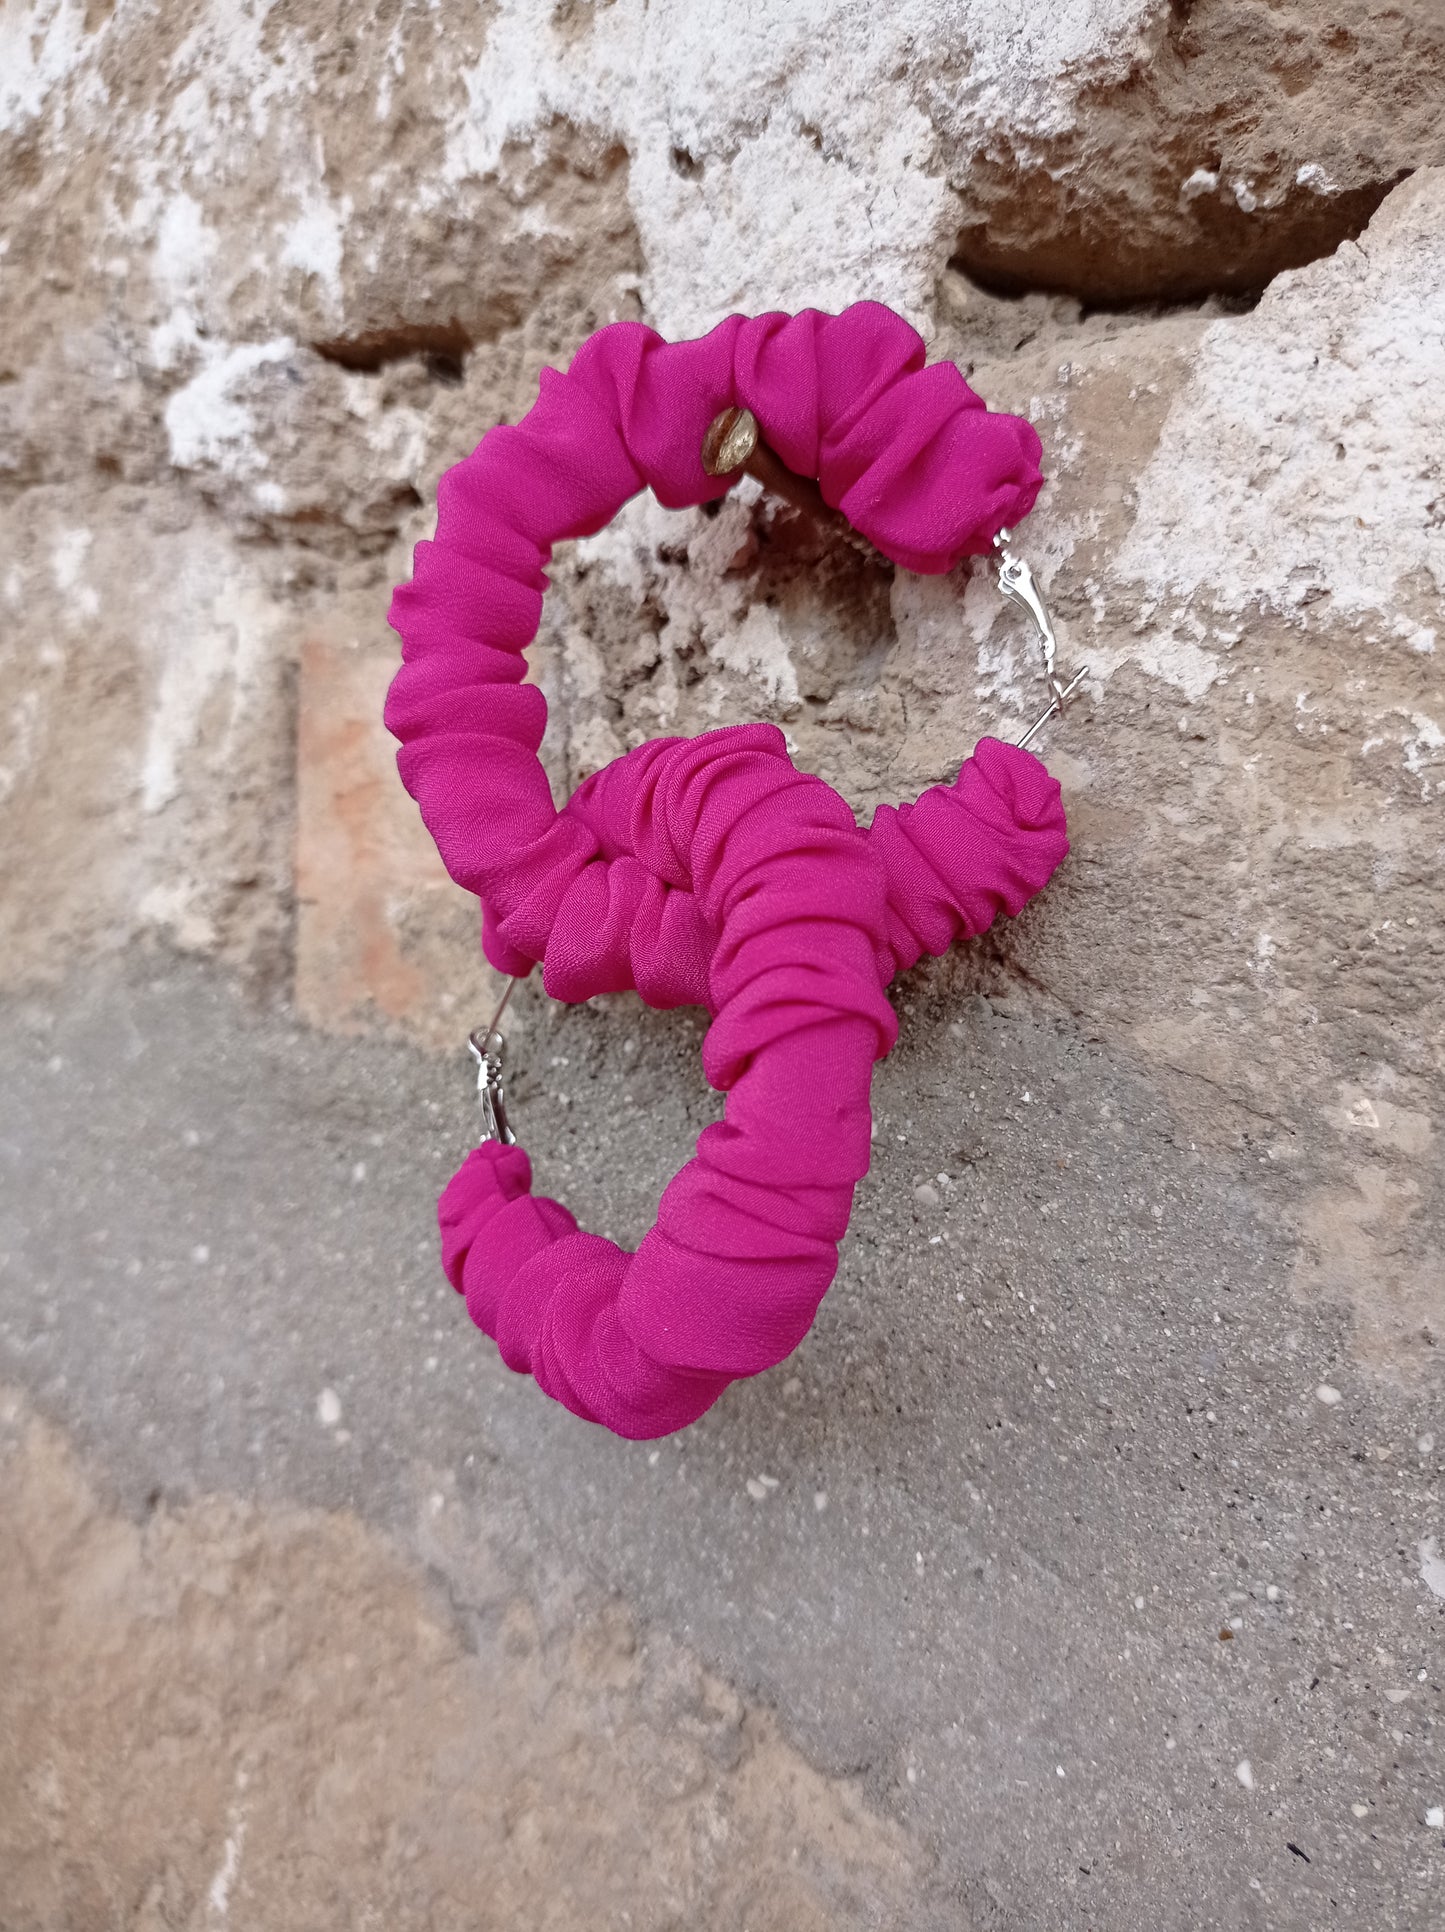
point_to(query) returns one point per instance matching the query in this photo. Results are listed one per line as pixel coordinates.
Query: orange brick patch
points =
(383, 936)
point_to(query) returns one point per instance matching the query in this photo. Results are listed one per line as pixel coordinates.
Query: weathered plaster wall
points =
(266, 272)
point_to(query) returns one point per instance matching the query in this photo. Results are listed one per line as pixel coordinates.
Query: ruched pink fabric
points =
(702, 871)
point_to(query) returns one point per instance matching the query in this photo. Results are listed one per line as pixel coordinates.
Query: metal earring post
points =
(734, 446)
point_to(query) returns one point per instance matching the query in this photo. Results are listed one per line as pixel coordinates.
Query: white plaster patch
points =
(313, 241)
(625, 547)
(225, 78)
(206, 424)
(185, 246)
(228, 74)
(211, 638)
(1298, 460)
(398, 439)
(393, 67)
(218, 1895)
(781, 153)
(41, 45)
(1420, 748)
(67, 557)
(728, 241)
(170, 907)
(23, 719)
(1162, 654)
(1311, 175)
(757, 648)
(592, 744)
(176, 337)
(586, 668)
(67, 567)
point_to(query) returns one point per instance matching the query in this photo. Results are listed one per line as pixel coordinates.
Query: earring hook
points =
(1055, 704)
(487, 1049)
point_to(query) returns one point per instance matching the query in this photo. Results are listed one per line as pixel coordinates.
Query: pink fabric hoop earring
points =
(704, 871)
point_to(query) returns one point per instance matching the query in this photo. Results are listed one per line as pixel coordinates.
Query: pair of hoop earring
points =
(706, 871)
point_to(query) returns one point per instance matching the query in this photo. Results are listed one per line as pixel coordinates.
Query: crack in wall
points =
(1232, 251)
(443, 348)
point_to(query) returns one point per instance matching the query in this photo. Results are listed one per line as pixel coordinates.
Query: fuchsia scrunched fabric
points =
(702, 871)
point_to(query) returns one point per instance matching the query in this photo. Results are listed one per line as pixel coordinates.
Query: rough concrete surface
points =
(261, 1715)
(1056, 1433)
(321, 1618)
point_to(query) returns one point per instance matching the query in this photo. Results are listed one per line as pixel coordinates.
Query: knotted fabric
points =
(704, 871)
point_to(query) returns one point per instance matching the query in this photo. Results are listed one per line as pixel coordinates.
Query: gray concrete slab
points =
(1065, 1556)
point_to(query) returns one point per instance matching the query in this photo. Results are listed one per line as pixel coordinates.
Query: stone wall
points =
(267, 271)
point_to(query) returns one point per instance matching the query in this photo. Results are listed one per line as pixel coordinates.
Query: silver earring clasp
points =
(487, 1049)
(1017, 583)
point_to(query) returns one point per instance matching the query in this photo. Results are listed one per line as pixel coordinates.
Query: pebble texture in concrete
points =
(1099, 1569)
